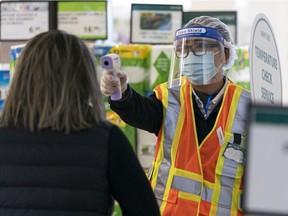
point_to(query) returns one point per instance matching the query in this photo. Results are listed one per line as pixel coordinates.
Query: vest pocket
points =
(229, 188)
(159, 192)
(176, 203)
(228, 178)
(181, 187)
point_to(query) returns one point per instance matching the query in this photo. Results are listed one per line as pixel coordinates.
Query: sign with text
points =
(23, 20)
(265, 70)
(155, 24)
(87, 20)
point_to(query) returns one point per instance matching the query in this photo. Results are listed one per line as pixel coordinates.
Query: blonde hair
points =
(54, 86)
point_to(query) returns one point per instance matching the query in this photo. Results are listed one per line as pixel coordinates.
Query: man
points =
(200, 123)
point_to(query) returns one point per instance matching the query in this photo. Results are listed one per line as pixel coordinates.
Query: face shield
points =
(198, 54)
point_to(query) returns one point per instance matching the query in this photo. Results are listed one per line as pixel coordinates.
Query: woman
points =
(58, 154)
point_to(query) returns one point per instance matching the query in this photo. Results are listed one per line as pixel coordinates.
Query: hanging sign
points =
(265, 70)
(87, 20)
(23, 20)
(154, 24)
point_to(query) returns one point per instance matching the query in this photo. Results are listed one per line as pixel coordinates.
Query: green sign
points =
(87, 20)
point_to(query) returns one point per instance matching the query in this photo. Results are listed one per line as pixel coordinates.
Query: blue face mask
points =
(200, 69)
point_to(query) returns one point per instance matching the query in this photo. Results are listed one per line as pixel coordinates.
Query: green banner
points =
(81, 6)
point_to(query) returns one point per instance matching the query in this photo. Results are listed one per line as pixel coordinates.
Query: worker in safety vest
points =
(199, 117)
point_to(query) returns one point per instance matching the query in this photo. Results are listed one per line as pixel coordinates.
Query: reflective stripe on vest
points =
(169, 131)
(232, 172)
(207, 194)
(165, 176)
(186, 185)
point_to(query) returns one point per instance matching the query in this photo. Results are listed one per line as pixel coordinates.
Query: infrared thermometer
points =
(112, 62)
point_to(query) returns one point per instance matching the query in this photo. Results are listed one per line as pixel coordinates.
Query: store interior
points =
(119, 40)
(119, 23)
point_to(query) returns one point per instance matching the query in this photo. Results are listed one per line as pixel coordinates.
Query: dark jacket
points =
(50, 173)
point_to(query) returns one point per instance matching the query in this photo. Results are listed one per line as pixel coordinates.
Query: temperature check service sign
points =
(265, 70)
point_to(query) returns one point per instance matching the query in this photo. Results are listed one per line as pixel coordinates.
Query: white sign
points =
(265, 70)
(267, 150)
(22, 21)
(155, 24)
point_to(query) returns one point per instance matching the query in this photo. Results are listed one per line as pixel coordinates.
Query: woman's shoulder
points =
(100, 131)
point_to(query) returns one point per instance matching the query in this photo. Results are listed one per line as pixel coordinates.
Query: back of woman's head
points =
(54, 86)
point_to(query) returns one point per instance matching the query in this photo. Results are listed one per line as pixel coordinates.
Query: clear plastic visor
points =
(193, 48)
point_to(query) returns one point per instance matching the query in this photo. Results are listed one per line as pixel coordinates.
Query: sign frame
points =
(148, 19)
(21, 38)
(86, 28)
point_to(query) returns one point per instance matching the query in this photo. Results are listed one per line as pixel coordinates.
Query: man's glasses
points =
(198, 49)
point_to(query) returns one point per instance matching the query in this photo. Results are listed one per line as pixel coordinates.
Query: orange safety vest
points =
(206, 179)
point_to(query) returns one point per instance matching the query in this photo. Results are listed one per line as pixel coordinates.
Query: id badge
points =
(235, 152)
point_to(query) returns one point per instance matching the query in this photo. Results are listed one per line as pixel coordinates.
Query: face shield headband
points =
(199, 32)
(182, 36)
